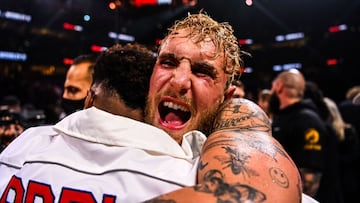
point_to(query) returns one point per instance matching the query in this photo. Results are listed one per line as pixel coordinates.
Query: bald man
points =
(299, 128)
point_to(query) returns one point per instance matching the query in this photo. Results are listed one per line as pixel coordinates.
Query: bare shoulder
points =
(241, 160)
(241, 114)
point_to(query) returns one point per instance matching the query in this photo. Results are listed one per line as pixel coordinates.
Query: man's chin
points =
(177, 135)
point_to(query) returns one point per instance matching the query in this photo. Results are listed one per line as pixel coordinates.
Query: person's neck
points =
(116, 109)
(116, 106)
(289, 101)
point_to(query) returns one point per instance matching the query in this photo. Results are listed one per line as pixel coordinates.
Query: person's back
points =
(103, 153)
(348, 152)
(330, 185)
(349, 110)
(298, 127)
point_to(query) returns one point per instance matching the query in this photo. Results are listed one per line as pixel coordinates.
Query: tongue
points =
(173, 119)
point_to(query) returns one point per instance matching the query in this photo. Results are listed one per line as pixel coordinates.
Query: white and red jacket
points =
(95, 156)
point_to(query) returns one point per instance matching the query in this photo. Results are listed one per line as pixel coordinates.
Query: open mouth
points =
(173, 114)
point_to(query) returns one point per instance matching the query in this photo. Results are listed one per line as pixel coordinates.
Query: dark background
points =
(47, 43)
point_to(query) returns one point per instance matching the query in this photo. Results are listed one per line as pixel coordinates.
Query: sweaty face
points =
(186, 87)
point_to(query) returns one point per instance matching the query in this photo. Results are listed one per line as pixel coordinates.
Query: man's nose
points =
(181, 78)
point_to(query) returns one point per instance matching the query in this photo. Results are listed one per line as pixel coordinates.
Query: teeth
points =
(174, 106)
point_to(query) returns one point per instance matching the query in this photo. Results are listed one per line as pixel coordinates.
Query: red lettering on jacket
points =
(16, 186)
(44, 191)
(71, 195)
(109, 199)
(41, 190)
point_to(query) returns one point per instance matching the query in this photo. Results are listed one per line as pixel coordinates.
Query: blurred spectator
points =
(313, 92)
(263, 101)
(32, 116)
(11, 102)
(77, 83)
(301, 131)
(331, 170)
(349, 111)
(45, 98)
(10, 127)
(348, 148)
(27, 113)
(240, 89)
(356, 99)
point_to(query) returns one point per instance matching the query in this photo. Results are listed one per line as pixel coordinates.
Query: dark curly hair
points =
(125, 70)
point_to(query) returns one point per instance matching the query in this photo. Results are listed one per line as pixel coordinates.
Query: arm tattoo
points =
(201, 165)
(279, 177)
(213, 183)
(242, 114)
(236, 161)
(244, 140)
(249, 127)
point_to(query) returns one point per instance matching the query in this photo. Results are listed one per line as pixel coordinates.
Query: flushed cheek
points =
(158, 80)
(207, 98)
(206, 102)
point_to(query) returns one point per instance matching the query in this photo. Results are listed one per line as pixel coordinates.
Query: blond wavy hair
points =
(202, 27)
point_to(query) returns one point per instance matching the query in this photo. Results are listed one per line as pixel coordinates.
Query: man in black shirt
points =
(298, 127)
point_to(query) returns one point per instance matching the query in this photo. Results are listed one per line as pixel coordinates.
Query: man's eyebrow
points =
(197, 64)
(205, 65)
(167, 55)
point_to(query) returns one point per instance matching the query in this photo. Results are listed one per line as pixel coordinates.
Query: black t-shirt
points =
(301, 132)
(312, 144)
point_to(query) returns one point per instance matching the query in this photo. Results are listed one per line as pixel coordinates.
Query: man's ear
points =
(229, 93)
(89, 100)
(280, 87)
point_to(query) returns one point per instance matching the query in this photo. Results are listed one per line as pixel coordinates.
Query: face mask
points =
(274, 103)
(70, 106)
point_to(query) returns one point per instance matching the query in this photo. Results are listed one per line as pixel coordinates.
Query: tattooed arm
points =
(245, 160)
(241, 162)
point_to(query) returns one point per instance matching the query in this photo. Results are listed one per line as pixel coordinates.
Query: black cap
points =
(8, 117)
